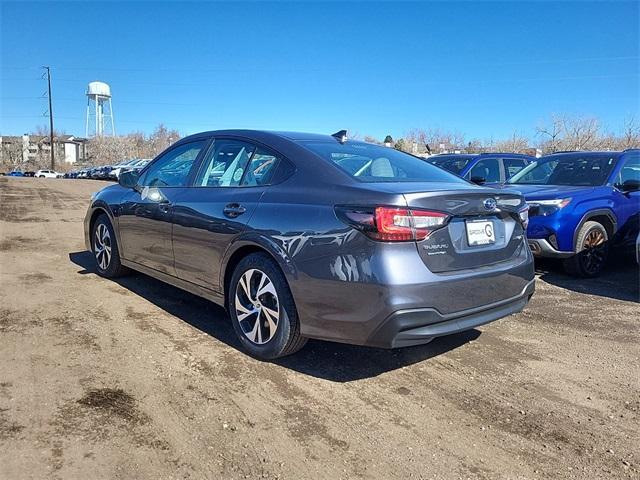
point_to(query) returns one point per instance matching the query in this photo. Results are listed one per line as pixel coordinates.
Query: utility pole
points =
(53, 158)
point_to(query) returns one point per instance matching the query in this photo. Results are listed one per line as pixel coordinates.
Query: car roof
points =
(456, 155)
(262, 135)
(583, 154)
(505, 154)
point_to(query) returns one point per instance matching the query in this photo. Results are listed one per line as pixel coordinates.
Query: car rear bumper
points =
(542, 248)
(417, 326)
(377, 302)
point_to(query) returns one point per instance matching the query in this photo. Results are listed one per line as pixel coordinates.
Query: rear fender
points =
(254, 239)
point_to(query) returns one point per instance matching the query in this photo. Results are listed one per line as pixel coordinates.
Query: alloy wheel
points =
(594, 252)
(102, 246)
(257, 307)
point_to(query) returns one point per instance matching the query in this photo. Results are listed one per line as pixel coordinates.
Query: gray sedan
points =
(316, 236)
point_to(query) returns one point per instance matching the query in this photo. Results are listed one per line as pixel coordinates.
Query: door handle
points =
(233, 210)
(164, 207)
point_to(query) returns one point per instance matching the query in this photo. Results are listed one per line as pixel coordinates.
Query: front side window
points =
(373, 163)
(172, 169)
(225, 164)
(574, 170)
(487, 169)
(629, 171)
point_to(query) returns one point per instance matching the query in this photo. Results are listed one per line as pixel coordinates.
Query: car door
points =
(210, 214)
(145, 217)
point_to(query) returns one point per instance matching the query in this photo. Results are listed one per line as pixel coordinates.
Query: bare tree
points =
(577, 133)
(11, 154)
(517, 143)
(550, 135)
(110, 150)
(43, 131)
(630, 137)
(416, 140)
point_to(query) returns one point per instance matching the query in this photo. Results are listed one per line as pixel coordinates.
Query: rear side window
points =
(225, 164)
(487, 169)
(372, 163)
(629, 171)
(261, 168)
(513, 166)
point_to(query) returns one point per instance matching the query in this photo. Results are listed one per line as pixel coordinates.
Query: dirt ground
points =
(137, 379)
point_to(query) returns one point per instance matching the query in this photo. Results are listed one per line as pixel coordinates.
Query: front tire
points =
(592, 250)
(105, 249)
(262, 309)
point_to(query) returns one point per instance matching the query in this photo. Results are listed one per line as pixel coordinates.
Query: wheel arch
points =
(604, 216)
(241, 248)
(98, 209)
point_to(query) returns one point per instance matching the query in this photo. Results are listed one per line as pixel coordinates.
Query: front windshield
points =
(453, 164)
(372, 163)
(574, 170)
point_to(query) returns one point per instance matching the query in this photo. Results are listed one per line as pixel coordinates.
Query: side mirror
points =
(128, 179)
(478, 180)
(631, 185)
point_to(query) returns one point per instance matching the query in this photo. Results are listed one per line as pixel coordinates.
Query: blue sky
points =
(487, 69)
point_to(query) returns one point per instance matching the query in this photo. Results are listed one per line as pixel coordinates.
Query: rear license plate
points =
(480, 232)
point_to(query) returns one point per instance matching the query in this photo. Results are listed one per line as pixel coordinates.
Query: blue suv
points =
(580, 205)
(484, 167)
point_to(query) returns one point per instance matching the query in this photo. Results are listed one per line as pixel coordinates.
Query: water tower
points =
(100, 113)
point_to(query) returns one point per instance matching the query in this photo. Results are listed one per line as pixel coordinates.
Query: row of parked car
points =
(108, 172)
(102, 172)
(38, 174)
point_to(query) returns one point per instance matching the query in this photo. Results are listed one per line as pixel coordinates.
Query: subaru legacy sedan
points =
(316, 236)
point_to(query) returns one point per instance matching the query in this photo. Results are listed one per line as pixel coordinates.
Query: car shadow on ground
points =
(620, 279)
(327, 360)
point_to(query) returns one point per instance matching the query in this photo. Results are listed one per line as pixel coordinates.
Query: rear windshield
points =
(373, 163)
(453, 164)
(575, 170)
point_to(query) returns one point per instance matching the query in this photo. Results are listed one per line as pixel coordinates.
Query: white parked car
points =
(48, 174)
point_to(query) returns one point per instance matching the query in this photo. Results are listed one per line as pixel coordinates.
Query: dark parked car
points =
(315, 236)
(582, 204)
(484, 167)
(101, 173)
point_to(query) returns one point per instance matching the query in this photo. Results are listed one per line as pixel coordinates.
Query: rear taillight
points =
(391, 224)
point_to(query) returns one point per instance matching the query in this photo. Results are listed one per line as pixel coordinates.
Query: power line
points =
(306, 68)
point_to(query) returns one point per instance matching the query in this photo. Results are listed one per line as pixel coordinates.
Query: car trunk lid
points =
(483, 228)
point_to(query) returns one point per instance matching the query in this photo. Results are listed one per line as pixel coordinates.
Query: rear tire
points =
(105, 249)
(262, 309)
(592, 250)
